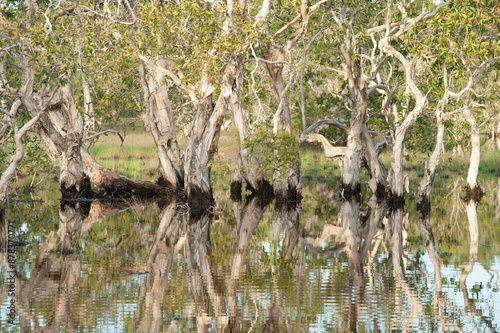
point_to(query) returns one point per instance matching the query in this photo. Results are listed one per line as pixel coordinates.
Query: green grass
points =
(135, 158)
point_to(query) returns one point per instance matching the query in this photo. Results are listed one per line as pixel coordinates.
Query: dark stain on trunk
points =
(71, 192)
(264, 193)
(381, 192)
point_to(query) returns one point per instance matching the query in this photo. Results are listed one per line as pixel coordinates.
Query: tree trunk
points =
(11, 169)
(474, 191)
(88, 107)
(158, 119)
(247, 166)
(350, 174)
(203, 140)
(149, 313)
(275, 71)
(398, 222)
(60, 130)
(117, 185)
(352, 233)
(497, 135)
(203, 283)
(378, 182)
(247, 220)
(287, 188)
(424, 190)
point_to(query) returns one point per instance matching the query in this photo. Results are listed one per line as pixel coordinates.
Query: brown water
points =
(132, 267)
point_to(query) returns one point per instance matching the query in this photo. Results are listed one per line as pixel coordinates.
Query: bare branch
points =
(96, 135)
(177, 81)
(329, 122)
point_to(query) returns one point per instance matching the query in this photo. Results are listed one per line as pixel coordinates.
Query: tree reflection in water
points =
(372, 293)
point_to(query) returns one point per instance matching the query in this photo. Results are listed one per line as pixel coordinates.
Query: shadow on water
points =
(356, 275)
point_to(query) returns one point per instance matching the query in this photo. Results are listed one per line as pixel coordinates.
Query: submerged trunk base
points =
(290, 198)
(350, 192)
(82, 191)
(395, 201)
(474, 194)
(423, 207)
(199, 202)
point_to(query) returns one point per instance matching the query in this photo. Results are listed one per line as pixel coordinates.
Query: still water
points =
(135, 266)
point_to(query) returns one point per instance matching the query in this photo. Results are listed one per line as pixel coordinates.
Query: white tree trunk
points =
(474, 191)
(158, 119)
(248, 166)
(424, 190)
(203, 140)
(88, 107)
(60, 130)
(9, 172)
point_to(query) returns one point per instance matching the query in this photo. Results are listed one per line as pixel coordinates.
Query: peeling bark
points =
(60, 130)
(88, 107)
(204, 137)
(158, 119)
(474, 191)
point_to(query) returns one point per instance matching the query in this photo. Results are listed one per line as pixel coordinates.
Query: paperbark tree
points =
(8, 173)
(159, 120)
(287, 186)
(207, 117)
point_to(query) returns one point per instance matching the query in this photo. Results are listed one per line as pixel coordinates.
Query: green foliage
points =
(276, 153)
(196, 43)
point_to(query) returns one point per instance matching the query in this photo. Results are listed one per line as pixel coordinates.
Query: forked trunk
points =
(11, 169)
(158, 119)
(204, 138)
(61, 131)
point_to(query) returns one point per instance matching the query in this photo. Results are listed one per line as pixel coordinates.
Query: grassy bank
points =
(136, 158)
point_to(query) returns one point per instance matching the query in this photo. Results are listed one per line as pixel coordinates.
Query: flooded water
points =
(244, 267)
